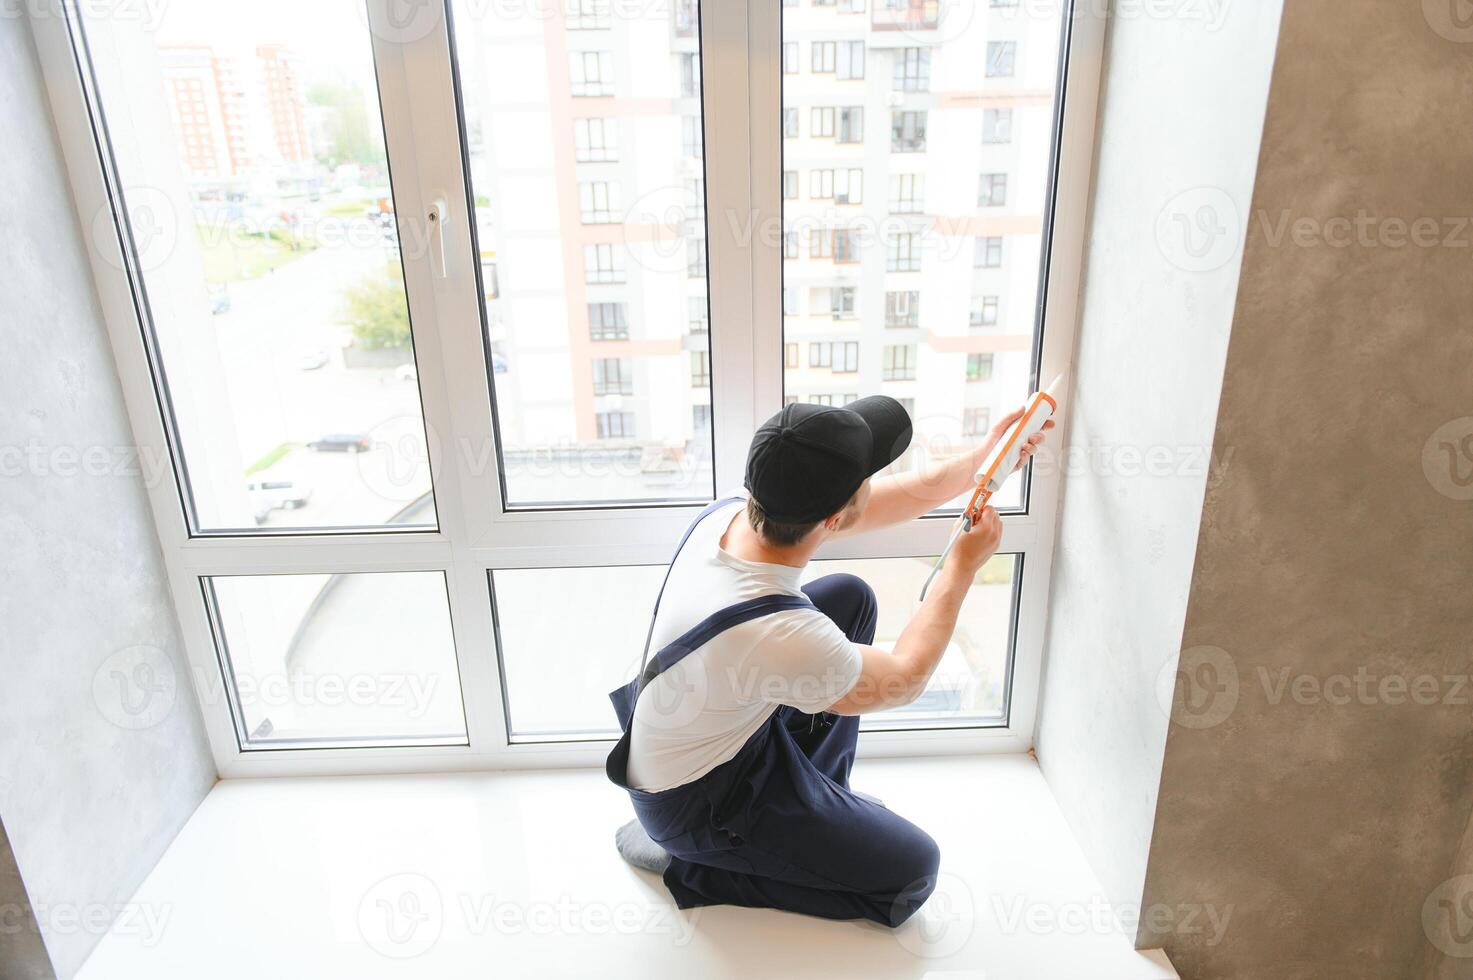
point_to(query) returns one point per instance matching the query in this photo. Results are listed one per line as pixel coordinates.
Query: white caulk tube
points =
(1003, 459)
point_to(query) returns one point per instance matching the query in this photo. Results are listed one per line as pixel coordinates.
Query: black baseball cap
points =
(807, 460)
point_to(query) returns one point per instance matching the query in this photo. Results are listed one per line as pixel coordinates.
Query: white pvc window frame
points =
(742, 46)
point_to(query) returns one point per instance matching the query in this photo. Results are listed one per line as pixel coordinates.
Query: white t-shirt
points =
(699, 713)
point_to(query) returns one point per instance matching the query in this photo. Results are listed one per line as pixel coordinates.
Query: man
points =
(740, 732)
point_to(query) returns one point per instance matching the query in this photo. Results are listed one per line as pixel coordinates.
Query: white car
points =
(269, 495)
(312, 360)
(406, 372)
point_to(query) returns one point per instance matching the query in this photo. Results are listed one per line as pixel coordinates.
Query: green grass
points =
(271, 458)
(350, 209)
(236, 258)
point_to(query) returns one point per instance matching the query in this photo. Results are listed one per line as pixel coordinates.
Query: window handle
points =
(435, 223)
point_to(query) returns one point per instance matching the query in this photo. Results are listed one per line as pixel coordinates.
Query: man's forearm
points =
(929, 631)
(907, 496)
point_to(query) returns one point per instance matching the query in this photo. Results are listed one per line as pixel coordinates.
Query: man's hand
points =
(1000, 429)
(974, 547)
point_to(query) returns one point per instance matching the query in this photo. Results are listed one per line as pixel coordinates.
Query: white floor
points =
(515, 875)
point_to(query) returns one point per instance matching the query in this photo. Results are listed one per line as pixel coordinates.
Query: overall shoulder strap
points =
(714, 625)
(707, 511)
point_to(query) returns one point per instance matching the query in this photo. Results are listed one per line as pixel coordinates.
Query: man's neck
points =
(744, 543)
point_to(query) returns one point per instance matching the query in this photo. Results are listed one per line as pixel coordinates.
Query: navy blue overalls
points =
(776, 826)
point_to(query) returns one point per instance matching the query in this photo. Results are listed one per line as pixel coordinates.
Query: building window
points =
(997, 125)
(988, 252)
(612, 376)
(850, 125)
(849, 186)
(790, 185)
(912, 70)
(1001, 58)
(979, 367)
(821, 122)
(603, 263)
(592, 73)
(904, 253)
(695, 198)
(700, 417)
(842, 357)
(790, 301)
(790, 124)
(823, 57)
(851, 60)
(615, 425)
(903, 309)
(700, 369)
(790, 355)
(606, 321)
(976, 421)
(899, 363)
(992, 191)
(587, 15)
(908, 131)
(690, 75)
(695, 257)
(598, 202)
(841, 302)
(691, 144)
(698, 318)
(984, 311)
(845, 246)
(907, 193)
(596, 140)
(821, 244)
(790, 57)
(790, 245)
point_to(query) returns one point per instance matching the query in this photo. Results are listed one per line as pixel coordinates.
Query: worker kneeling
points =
(740, 731)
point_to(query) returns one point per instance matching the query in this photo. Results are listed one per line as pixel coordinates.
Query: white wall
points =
(102, 751)
(1182, 108)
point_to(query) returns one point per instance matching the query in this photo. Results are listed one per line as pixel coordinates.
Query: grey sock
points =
(865, 796)
(636, 847)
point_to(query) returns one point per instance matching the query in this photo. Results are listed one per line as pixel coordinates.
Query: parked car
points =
(219, 300)
(269, 495)
(312, 360)
(406, 372)
(341, 442)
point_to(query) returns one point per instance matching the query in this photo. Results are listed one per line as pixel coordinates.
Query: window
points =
(602, 263)
(997, 125)
(988, 253)
(614, 425)
(265, 161)
(993, 191)
(606, 321)
(598, 202)
(979, 367)
(592, 73)
(596, 140)
(907, 192)
(905, 253)
(912, 70)
(588, 15)
(1000, 58)
(612, 376)
(899, 362)
(908, 131)
(903, 309)
(984, 311)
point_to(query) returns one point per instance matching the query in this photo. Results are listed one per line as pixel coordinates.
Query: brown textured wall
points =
(1319, 772)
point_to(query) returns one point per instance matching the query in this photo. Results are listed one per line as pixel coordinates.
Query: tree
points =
(351, 140)
(377, 312)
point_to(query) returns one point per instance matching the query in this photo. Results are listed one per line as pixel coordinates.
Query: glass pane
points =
(971, 682)
(559, 669)
(584, 136)
(250, 154)
(361, 658)
(919, 137)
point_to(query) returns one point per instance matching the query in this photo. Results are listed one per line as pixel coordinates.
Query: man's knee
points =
(922, 863)
(849, 601)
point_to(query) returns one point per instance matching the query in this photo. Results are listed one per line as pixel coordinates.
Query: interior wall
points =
(1180, 117)
(103, 754)
(1322, 777)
